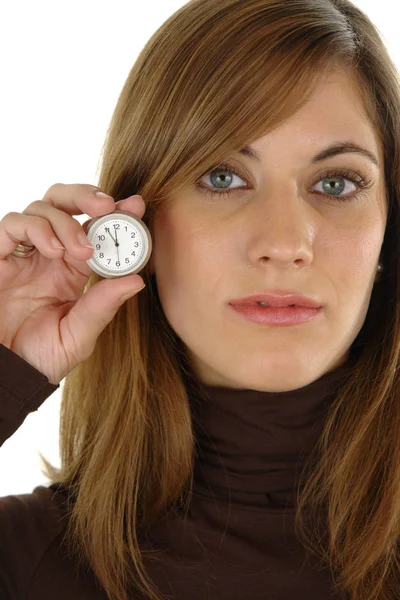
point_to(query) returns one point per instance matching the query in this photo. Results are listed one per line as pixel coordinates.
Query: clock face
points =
(120, 245)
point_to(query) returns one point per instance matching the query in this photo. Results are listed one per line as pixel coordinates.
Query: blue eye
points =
(332, 177)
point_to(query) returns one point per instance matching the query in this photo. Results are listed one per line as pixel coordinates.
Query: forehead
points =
(334, 112)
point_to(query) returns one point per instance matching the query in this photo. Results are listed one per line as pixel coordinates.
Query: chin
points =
(271, 379)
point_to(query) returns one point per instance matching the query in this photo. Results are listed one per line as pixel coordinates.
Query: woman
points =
(260, 141)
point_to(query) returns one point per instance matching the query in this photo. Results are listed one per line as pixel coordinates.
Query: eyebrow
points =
(332, 150)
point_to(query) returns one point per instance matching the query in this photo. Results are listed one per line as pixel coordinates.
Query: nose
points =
(281, 229)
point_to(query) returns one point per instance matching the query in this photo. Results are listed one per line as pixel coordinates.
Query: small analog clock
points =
(122, 244)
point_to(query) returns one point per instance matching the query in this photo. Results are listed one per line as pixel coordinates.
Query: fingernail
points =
(102, 195)
(131, 294)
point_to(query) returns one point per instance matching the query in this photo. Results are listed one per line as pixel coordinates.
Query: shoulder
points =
(29, 523)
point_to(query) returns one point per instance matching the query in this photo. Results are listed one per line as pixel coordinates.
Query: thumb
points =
(94, 311)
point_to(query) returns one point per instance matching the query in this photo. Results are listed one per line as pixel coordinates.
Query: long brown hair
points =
(213, 78)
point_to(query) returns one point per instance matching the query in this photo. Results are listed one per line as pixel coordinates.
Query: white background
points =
(62, 68)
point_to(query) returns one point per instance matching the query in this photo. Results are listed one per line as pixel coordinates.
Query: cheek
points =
(182, 260)
(358, 253)
(354, 243)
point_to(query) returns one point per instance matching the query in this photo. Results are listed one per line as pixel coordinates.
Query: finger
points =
(16, 228)
(81, 327)
(134, 204)
(78, 199)
(66, 229)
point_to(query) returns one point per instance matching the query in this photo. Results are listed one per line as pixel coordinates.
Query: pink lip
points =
(277, 316)
(277, 300)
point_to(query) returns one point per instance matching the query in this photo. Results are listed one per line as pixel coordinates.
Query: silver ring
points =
(23, 251)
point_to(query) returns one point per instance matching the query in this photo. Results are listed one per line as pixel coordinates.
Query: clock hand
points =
(117, 245)
(108, 231)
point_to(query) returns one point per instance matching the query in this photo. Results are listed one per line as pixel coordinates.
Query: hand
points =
(45, 318)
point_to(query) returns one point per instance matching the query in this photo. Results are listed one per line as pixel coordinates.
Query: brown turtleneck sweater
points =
(238, 542)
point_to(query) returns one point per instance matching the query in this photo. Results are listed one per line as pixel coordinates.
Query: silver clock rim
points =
(147, 244)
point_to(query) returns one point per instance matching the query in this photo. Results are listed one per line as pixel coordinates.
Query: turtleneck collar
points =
(251, 445)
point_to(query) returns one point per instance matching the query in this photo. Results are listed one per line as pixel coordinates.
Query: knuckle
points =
(35, 203)
(38, 222)
(76, 190)
(54, 188)
(52, 191)
(9, 216)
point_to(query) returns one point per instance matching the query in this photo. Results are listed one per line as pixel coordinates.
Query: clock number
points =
(133, 253)
(136, 244)
(116, 225)
(102, 238)
(127, 261)
(101, 255)
(117, 263)
(98, 246)
(133, 234)
(109, 260)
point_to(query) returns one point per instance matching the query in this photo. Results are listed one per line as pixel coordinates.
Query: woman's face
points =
(277, 235)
